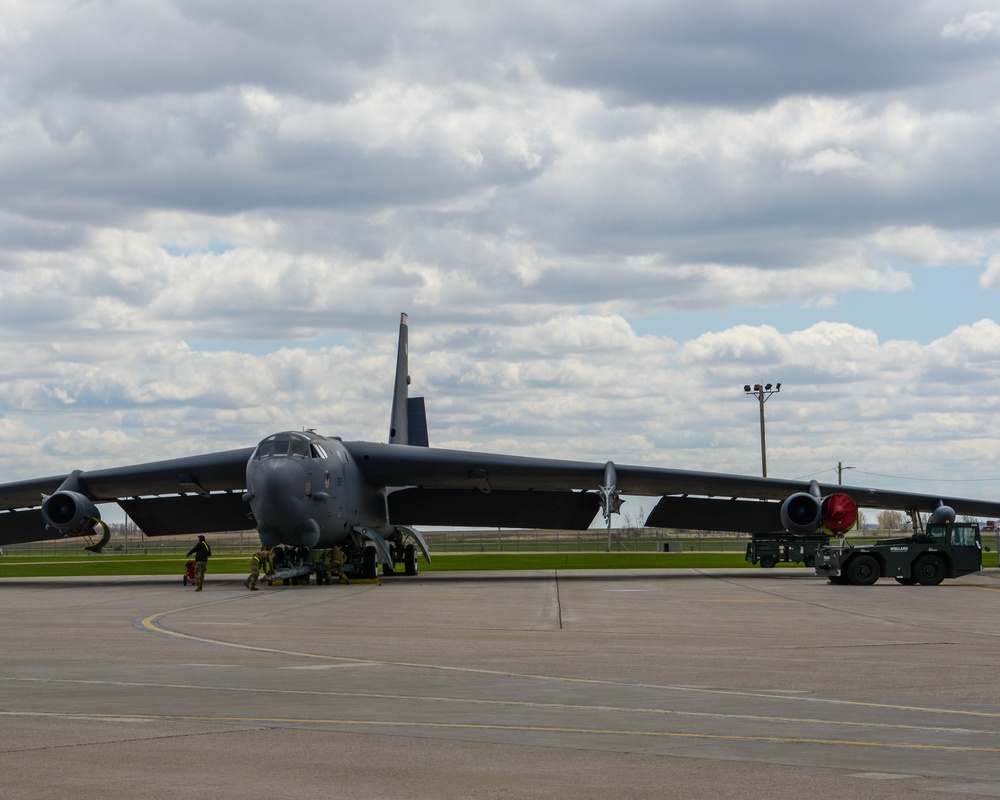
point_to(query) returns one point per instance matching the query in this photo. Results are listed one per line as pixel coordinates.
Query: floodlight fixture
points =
(762, 392)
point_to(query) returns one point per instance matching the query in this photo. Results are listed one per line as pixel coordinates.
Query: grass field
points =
(129, 554)
(93, 565)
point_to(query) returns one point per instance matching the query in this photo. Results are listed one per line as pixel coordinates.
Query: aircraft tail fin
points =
(408, 420)
(417, 422)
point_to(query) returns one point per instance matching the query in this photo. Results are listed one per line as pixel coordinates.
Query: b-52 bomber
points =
(304, 490)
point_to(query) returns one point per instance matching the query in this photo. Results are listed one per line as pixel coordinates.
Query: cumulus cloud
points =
(213, 212)
(974, 26)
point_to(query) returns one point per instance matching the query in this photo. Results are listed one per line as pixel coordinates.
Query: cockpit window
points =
(282, 446)
(318, 452)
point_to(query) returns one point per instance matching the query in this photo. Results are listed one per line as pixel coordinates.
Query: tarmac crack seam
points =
(382, 724)
(152, 624)
(111, 742)
(558, 600)
(838, 609)
(506, 703)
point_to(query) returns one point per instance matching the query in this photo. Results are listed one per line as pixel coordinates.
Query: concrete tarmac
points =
(638, 684)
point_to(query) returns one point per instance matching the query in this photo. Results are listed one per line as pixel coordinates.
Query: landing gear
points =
(371, 551)
(410, 559)
(369, 564)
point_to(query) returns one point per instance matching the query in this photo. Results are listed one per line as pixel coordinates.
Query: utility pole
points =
(840, 472)
(762, 392)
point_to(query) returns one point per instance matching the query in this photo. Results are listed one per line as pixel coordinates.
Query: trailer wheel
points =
(768, 562)
(929, 570)
(862, 571)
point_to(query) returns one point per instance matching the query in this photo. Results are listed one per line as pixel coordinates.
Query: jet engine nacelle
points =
(806, 512)
(69, 512)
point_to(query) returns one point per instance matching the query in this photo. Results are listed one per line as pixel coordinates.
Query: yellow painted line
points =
(505, 728)
(975, 588)
(151, 623)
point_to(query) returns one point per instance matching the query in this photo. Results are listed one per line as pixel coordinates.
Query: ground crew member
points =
(259, 562)
(201, 552)
(322, 560)
(337, 559)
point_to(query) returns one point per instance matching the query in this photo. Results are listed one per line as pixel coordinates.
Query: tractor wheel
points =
(929, 570)
(862, 571)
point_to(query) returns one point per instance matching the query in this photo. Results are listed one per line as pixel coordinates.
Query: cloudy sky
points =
(602, 218)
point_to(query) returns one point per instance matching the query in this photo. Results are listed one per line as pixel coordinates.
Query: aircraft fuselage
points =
(305, 491)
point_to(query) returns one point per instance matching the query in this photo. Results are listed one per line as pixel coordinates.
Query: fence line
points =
(638, 540)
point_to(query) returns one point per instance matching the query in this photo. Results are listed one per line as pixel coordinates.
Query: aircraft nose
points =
(278, 491)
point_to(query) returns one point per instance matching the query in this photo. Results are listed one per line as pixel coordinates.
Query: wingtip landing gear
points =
(100, 544)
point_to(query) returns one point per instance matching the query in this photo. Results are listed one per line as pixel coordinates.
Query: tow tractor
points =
(946, 549)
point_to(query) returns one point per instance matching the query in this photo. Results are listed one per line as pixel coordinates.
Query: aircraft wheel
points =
(862, 571)
(369, 564)
(388, 569)
(410, 559)
(768, 562)
(929, 570)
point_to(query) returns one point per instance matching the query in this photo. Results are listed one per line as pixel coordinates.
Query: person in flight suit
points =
(337, 559)
(259, 562)
(322, 560)
(201, 552)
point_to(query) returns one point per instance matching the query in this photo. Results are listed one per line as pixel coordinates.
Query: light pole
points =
(762, 392)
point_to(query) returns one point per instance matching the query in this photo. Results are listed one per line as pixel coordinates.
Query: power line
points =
(900, 477)
(814, 474)
(934, 480)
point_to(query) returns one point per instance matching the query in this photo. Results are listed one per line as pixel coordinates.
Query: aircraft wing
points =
(457, 487)
(196, 494)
